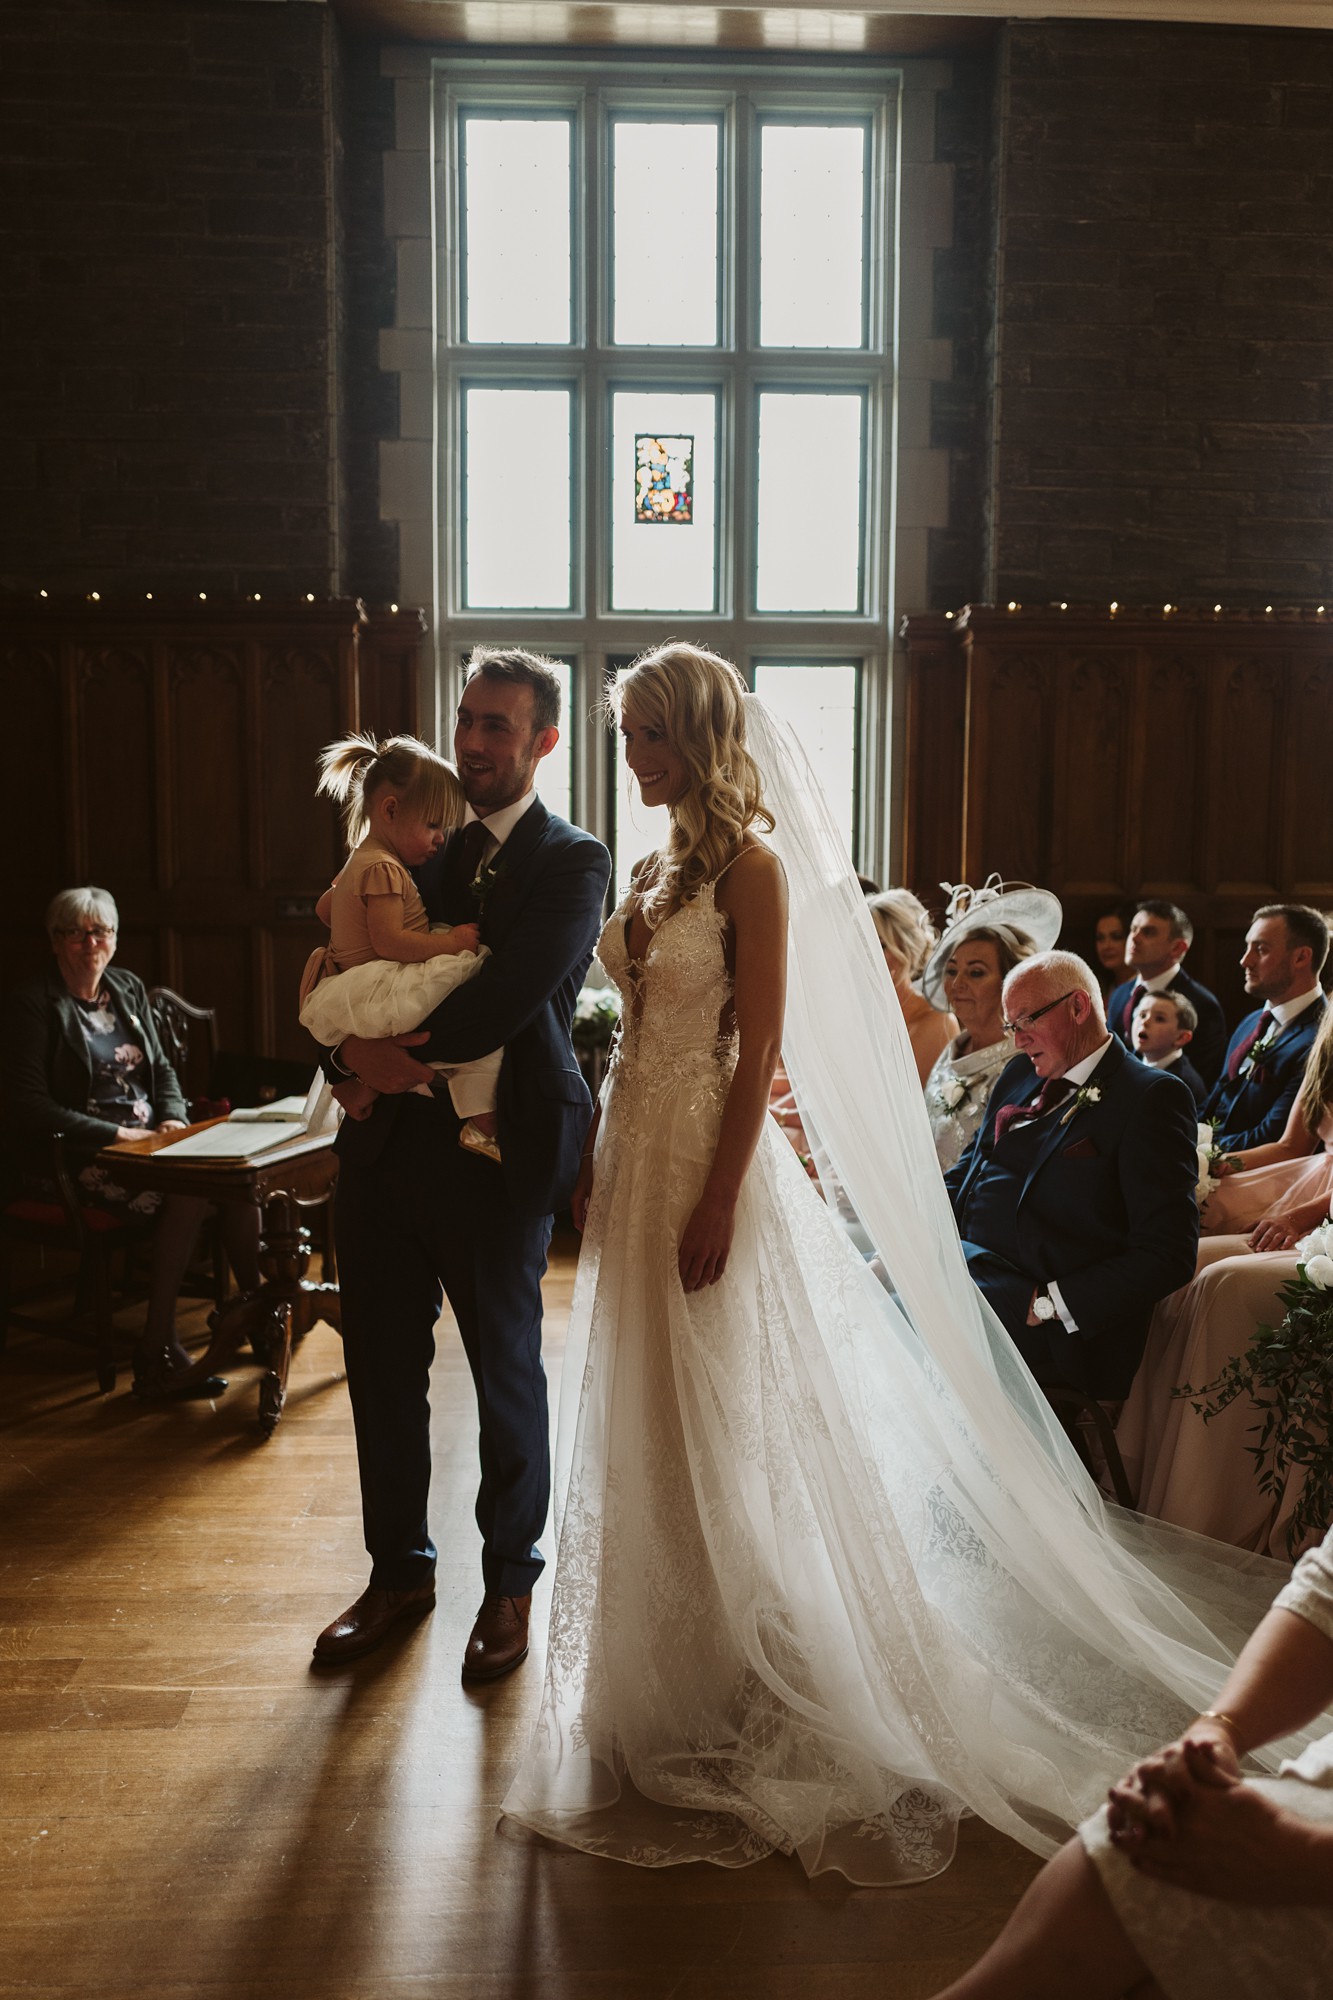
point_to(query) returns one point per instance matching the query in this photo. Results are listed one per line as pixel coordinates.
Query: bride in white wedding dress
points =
(828, 1573)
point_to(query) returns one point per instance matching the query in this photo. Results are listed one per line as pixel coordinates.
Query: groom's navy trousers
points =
(427, 1218)
(418, 1218)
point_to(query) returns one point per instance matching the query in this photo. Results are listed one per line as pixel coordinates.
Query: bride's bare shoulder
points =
(754, 879)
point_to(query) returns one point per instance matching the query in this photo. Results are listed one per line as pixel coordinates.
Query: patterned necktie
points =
(1127, 1017)
(1242, 1049)
(1052, 1092)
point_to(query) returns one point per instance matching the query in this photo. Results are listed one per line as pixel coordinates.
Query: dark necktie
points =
(465, 858)
(1242, 1049)
(1052, 1092)
(1127, 1017)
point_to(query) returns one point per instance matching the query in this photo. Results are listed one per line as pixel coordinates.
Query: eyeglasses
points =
(1026, 1021)
(95, 934)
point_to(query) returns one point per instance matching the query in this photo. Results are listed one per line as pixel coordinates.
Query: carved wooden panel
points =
(299, 712)
(35, 719)
(935, 726)
(171, 750)
(1248, 745)
(1113, 756)
(1170, 799)
(1010, 769)
(1091, 789)
(1308, 844)
(211, 795)
(118, 769)
(389, 649)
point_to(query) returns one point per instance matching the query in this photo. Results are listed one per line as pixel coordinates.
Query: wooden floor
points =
(187, 1809)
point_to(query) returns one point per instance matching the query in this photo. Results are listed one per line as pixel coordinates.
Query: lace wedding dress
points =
(827, 1575)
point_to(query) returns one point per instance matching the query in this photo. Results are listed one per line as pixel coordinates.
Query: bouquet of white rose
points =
(596, 1018)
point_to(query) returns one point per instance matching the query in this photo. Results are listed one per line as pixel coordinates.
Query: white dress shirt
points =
(1078, 1076)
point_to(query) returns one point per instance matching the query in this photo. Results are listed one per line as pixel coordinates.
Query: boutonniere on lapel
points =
(952, 1093)
(1253, 1065)
(485, 880)
(1087, 1093)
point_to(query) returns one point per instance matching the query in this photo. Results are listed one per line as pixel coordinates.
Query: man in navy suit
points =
(1285, 949)
(1076, 1198)
(418, 1217)
(1159, 937)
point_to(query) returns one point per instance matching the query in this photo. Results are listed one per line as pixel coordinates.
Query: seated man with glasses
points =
(1076, 1198)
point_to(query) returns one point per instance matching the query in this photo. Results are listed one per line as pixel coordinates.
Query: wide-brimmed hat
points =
(1016, 908)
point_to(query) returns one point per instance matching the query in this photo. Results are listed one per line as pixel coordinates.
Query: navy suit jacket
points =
(540, 921)
(1253, 1109)
(1107, 1209)
(1208, 1048)
(1189, 1076)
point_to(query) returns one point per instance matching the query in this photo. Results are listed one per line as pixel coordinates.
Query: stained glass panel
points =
(665, 229)
(811, 235)
(663, 480)
(809, 536)
(516, 205)
(675, 572)
(517, 499)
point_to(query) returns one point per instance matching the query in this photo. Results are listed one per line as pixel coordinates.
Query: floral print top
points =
(119, 1066)
(957, 1092)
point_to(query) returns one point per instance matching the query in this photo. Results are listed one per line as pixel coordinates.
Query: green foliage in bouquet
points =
(596, 1018)
(1288, 1372)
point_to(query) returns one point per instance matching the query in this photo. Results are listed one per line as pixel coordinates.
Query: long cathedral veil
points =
(830, 1573)
(1169, 1606)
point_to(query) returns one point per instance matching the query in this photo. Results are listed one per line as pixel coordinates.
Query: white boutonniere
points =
(1088, 1093)
(953, 1093)
(1260, 1052)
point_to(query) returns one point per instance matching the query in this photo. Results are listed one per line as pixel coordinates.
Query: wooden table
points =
(280, 1183)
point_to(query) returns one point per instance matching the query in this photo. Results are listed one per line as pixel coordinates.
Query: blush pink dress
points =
(1200, 1475)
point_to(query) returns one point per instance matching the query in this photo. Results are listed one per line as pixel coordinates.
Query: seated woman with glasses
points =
(84, 1059)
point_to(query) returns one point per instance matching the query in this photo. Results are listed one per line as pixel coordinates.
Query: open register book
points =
(259, 1128)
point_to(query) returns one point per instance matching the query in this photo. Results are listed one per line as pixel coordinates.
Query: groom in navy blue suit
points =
(419, 1217)
(1076, 1198)
(1285, 949)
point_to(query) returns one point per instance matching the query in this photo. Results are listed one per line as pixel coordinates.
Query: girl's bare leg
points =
(1063, 1939)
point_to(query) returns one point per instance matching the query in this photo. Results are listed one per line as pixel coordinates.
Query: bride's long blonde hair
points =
(694, 698)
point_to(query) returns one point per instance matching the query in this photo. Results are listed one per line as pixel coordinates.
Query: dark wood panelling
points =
(170, 752)
(1109, 756)
(388, 672)
(206, 701)
(301, 707)
(113, 720)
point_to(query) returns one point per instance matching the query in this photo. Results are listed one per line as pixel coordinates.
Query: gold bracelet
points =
(1228, 1722)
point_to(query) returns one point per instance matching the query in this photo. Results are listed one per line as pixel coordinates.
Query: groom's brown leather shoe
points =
(499, 1639)
(362, 1626)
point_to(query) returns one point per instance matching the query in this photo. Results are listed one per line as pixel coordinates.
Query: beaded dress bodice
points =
(677, 1030)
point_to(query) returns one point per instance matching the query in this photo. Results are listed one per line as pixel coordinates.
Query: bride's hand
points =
(706, 1243)
(582, 1195)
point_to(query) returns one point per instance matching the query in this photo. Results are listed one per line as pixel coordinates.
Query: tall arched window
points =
(666, 390)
